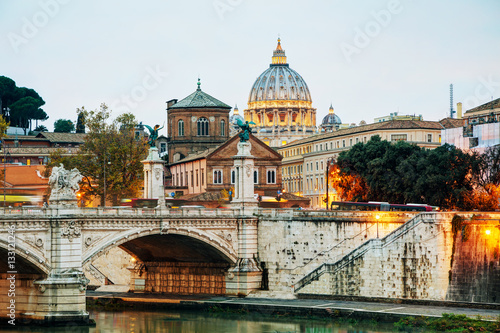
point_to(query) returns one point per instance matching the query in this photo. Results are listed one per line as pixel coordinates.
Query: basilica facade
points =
(280, 104)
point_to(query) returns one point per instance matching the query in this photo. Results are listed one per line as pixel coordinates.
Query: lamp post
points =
(108, 162)
(329, 162)
(377, 217)
(4, 169)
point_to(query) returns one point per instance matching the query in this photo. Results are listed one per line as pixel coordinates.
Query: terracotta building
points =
(195, 124)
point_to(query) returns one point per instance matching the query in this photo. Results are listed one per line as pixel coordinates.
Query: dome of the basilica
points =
(279, 82)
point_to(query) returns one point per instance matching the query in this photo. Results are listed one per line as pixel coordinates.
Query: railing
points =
(119, 211)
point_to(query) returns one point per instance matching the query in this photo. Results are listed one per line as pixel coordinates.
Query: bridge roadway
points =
(43, 250)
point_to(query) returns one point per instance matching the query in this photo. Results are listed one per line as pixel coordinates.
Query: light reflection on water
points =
(203, 322)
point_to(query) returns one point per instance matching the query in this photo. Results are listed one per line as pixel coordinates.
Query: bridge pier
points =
(246, 275)
(61, 296)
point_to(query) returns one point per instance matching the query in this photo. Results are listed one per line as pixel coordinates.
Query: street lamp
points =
(377, 217)
(329, 162)
(104, 201)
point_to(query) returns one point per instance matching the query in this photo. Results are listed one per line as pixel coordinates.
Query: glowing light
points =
(377, 217)
(133, 260)
(488, 231)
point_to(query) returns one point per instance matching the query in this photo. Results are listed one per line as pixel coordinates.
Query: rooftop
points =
(199, 99)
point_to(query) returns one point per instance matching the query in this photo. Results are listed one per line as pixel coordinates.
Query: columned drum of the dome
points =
(280, 104)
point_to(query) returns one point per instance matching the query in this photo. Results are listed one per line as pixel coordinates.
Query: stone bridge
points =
(43, 252)
(226, 252)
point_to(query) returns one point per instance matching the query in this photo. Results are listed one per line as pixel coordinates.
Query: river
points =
(146, 321)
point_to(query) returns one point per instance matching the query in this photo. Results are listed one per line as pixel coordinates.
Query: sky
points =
(366, 58)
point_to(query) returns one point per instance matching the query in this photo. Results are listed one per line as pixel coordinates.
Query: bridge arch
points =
(39, 264)
(222, 247)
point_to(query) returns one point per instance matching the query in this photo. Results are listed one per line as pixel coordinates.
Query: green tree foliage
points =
(41, 128)
(110, 154)
(404, 173)
(63, 126)
(80, 122)
(24, 104)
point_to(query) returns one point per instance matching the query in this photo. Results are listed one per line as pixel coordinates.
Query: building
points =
(204, 176)
(280, 104)
(29, 149)
(233, 121)
(396, 116)
(479, 129)
(195, 124)
(305, 161)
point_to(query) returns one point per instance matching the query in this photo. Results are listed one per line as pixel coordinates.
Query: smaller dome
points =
(331, 119)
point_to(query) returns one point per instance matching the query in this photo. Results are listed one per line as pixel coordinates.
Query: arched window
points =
(222, 128)
(180, 127)
(217, 176)
(255, 177)
(271, 176)
(202, 126)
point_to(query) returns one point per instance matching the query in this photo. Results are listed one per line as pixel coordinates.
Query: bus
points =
(380, 206)
(139, 203)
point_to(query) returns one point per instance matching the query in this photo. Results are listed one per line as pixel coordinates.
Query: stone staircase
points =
(370, 245)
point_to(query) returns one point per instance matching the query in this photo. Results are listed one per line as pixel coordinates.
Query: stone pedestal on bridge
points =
(244, 198)
(153, 175)
(246, 275)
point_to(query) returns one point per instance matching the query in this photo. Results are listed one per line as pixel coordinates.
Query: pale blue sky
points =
(81, 53)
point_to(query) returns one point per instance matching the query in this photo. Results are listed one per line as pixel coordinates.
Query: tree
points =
(63, 126)
(41, 128)
(24, 104)
(111, 154)
(402, 173)
(80, 122)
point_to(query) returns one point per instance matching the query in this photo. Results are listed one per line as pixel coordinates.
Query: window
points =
(398, 137)
(182, 179)
(180, 127)
(321, 147)
(429, 137)
(271, 176)
(307, 167)
(283, 142)
(255, 177)
(202, 178)
(217, 176)
(350, 142)
(222, 128)
(202, 124)
(197, 178)
(233, 176)
(163, 147)
(317, 166)
(321, 165)
(343, 143)
(357, 140)
(192, 179)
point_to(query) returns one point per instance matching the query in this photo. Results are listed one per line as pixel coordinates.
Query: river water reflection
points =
(144, 321)
(203, 322)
